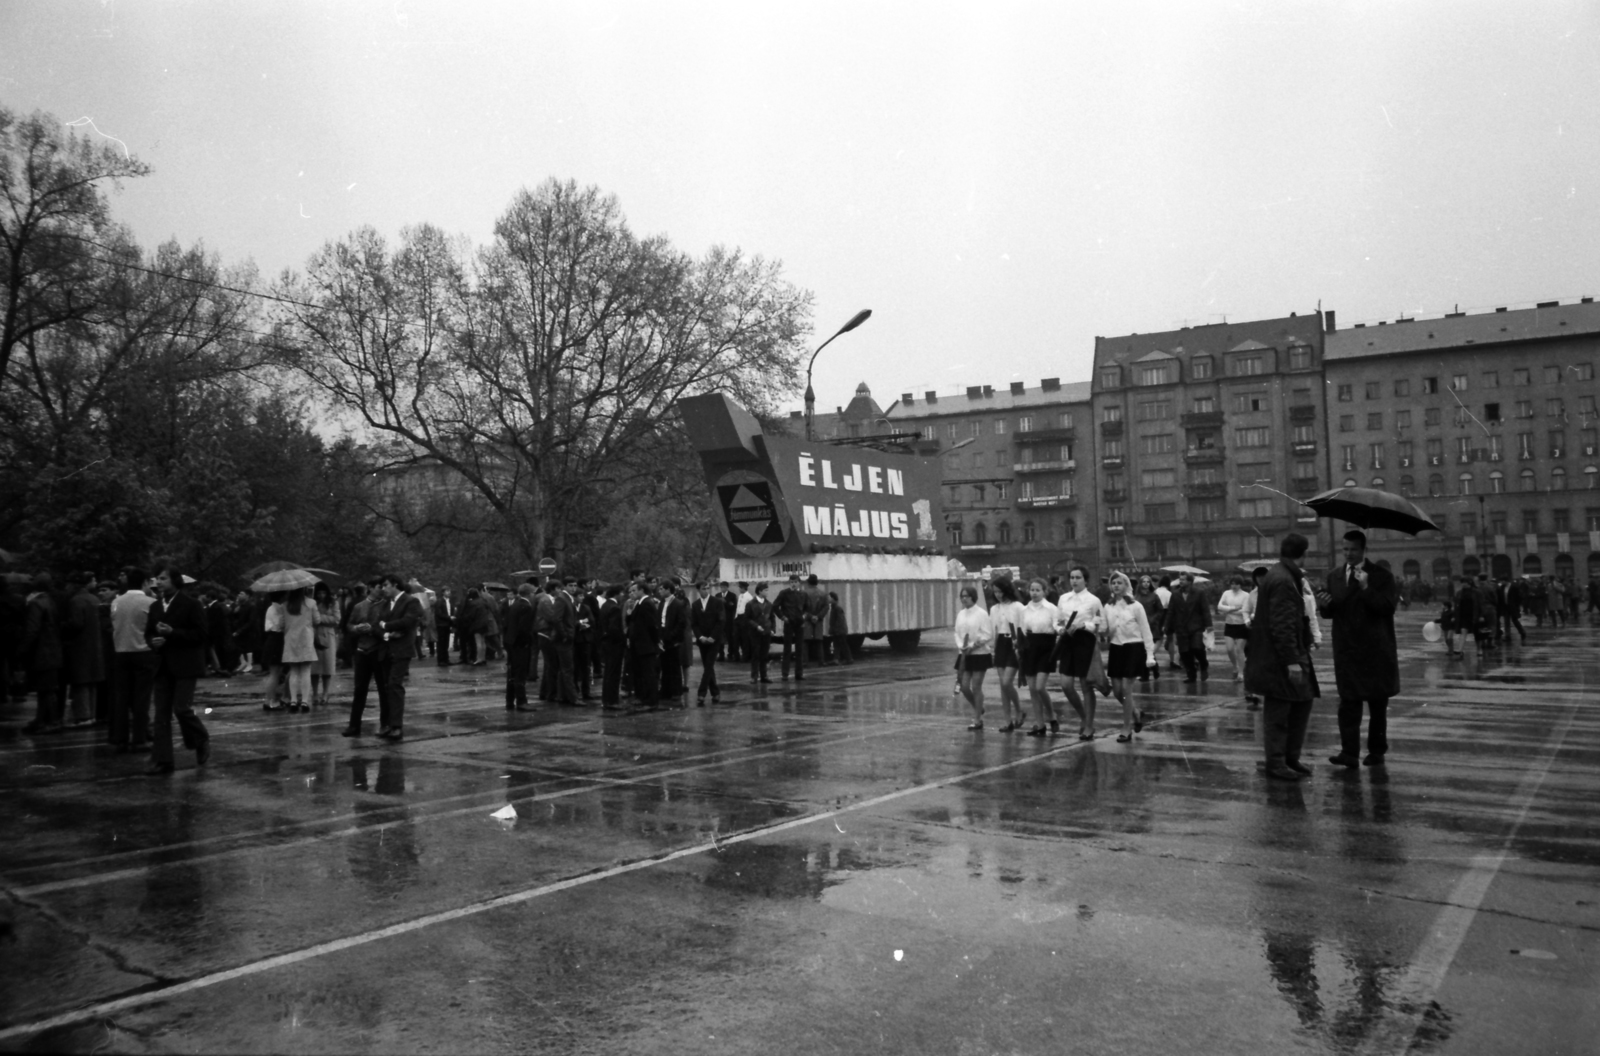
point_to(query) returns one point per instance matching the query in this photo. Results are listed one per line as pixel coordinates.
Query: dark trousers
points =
(583, 667)
(1285, 723)
(444, 646)
(672, 671)
(708, 672)
(1509, 620)
(566, 689)
(469, 646)
(133, 676)
(519, 662)
(1192, 653)
(1377, 727)
(392, 712)
(611, 680)
(760, 646)
(367, 669)
(47, 684)
(794, 641)
(174, 697)
(552, 668)
(841, 648)
(647, 677)
(739, 641)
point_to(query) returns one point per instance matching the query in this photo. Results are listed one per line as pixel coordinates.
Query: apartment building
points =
(1017, 490)
(1204, 437)
(1489, 422)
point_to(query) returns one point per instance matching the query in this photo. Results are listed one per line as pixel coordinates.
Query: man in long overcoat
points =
(1360, 599)
(1277, 664)
(1188, 618)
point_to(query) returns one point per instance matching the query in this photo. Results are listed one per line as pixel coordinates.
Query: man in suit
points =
(519, 639)
(644, 645)
(790, 607)
(674, 636)
(584, 651)
(564, 634)
(613, 641)
(399, 630)
(729, 649)
(544, 625)
(1508, 600)
(1360, 598)
(816, 619)
(444, 615)
(1190, 617)
(175, 630)
(369, 657)
(705, 620)
(1278, 662)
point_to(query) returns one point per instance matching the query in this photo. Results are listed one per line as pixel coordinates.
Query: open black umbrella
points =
(1371, 508)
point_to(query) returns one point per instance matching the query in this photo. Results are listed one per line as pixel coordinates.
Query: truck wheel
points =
(904, 641)
(856, 642)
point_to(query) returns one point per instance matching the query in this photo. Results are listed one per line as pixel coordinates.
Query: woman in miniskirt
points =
(1037, 628)
(1006, 615)
(1081, 620)
(1133, 650)
(974, 632)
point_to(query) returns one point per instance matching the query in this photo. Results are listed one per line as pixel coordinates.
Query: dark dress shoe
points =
(1298, 767)
(202, 754)
(1344, 760)
(160, 770)
(350, 731)
(1372, 760)
(392, 734)
(1282, 773)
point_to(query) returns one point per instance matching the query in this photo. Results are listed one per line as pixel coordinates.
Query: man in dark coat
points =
(674, 640)
(1277, 664)
(705, 618)
(40, 654)
(1508, 600)
(519, 641)
(1360, 599)
(790, 607)
(444, 616)
(399, 629)
(564, 634)
(1189, 618)
(644, 644)
(613, 641)
(369, 656)
(175, 629)
(82, 651)
(584, 651)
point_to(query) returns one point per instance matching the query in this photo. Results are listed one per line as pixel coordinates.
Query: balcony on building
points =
(1304, 486)
(1304, 447)
(1207, 490)
(1200, 456)
(1112, 462)
(1199, 418)
(1058, 434)
(1303, 412)
(1111, 498)
(1111, 428)
(1057, 466)
(1045, 502)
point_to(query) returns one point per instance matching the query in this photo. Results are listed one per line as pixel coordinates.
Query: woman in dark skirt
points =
(1156, 614)
(1006, 615)
(1133, 650)
(1081, 619)
(271, 657)
(1037, 630)
(974, 632)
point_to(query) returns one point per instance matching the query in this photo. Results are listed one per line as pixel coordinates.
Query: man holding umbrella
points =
(1360, 598)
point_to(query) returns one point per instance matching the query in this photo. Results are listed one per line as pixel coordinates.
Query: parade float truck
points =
(864, 521)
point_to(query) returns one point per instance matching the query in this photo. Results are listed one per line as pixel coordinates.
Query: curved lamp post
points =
(811, 397)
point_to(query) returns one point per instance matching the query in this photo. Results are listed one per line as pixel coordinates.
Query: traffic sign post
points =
(547, 566)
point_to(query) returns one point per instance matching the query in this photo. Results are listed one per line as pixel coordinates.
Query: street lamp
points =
(811, 397)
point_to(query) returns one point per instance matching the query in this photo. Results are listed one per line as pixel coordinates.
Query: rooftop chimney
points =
(988, 391)
(906, 397)
(1018, 388)
(931, 396)
(1329, 324)
(1050, 384)
(974, 392)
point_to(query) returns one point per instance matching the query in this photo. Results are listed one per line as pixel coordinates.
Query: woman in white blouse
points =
(1231, 608)
(1079, 622)
(1037, 626)
(1133, 650)
(974, 634)
(1006, 614)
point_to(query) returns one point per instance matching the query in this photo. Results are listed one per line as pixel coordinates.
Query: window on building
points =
(1377, 456)
(1155, 410)
(1025, 423)
(1408, 486)
(1025, 490)
(1530, 480)
(1304, 434)
(1590, 475)
(1435, 451)
(1299, 357)
(1347, 423)
(1530, 522)
(1520, 376)
(1029, 533)
(1374, 390)
(1402, 387)
(1555, 408)
(1113, 515)
(1552, 375)
(1407, 451)
(1347, 393)
(974, 428)
(1207, 509)
(1160, 512)
(1000, 492)
(1587, 441)
(1375, 420)
(1561, 520)
(1592, 519)
(1202, 440)
(999, 427)
(1465, 481)
(1255, 508)
(1247, 402)
(1584, 371)
(1116, 483)
(1069, 530)
(1435, 484)
(1117, 547)
(1402, 419)
(1463, 449)
(1243, 366)
(1205, 475)
(1112, 413)
(1158, 478)
(1112, 448)
(1304, 470)
(1491, 379)
(1458, 382)
(1430, 416)
(1491, 412)
(1347, 456)
(1524, 408)
(954, 528)
(1586, 406)
(980, 533)
(1159, 444)
(1256, 437)
(1497, 522)
(1205, 404)
(977, 493)
(1200, 368)
(1558, 443)
(1494, 448)
(952, 461)
(1065, 452)
(1461, 416)
(1159, 374)
(1005, 533)
(1110, 377)
(1524, 446)
(1430, 386)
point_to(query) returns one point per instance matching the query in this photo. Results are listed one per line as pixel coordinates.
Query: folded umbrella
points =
(1371, 508)
(284, 579)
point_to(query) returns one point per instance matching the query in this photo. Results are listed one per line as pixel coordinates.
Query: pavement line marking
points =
(1432, 959)
(149, 997)
(590, 784)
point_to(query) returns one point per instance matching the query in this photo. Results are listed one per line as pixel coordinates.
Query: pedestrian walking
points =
(1079, 621)
(175, 630)
(1231, 608)
(444, 622)
(838, 630)
(246, 621)
(1038, 629)
(133, 664)
(1132, 652)
(1189, 616)
(1155, 614)
(369, 659)
(974, 634)
(327, 618)
(1006, 617)
(1278, 664)
(758, 616)
(1360, 599)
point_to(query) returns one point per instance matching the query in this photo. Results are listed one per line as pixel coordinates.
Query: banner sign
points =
(1563, 542)
(1530, 543)
(1499, 544)
(1469, 544)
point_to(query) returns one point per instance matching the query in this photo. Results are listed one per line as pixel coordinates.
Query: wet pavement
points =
(837, 866)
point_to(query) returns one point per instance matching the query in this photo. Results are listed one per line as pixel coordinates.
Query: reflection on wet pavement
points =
(838, 866)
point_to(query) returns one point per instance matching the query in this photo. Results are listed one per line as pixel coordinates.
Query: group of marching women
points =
(1032, 639)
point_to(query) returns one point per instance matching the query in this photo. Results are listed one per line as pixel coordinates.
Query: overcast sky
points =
(998, 183)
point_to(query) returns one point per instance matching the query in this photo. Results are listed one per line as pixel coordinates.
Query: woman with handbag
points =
(1081, 619)
(1037, 630)
(1133, 650)
(974, 632)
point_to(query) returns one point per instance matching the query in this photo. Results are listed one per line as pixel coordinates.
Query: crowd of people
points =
(1487, 611)
(95, 653)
